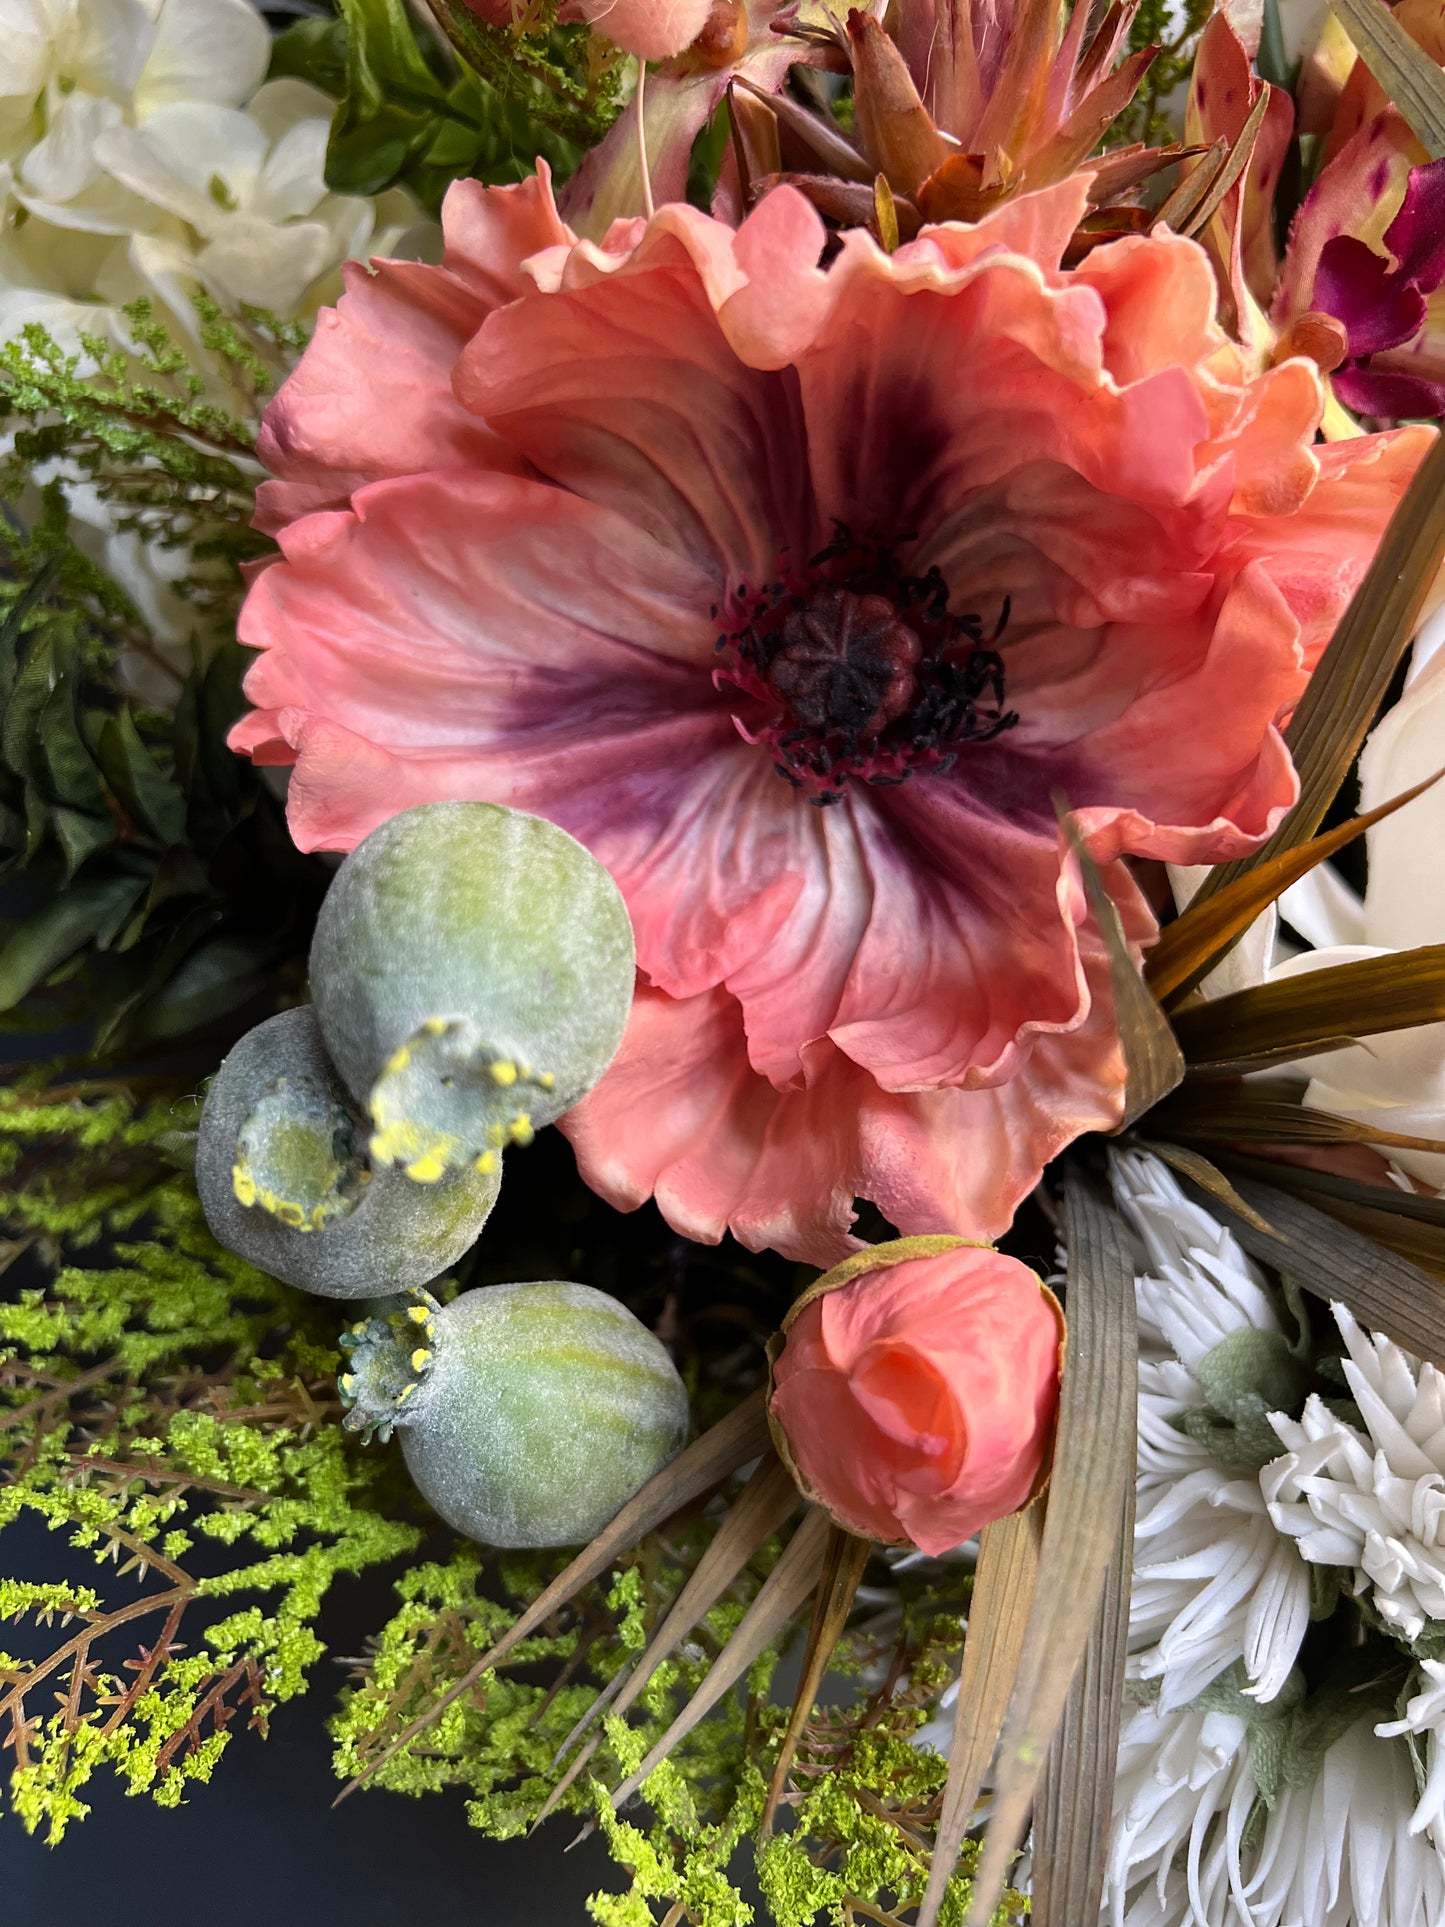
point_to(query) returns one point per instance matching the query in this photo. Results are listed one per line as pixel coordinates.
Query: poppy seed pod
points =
(529, 1414)
(472, 972)
(285, 1181)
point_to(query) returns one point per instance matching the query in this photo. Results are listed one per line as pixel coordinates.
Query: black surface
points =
(261, 1845)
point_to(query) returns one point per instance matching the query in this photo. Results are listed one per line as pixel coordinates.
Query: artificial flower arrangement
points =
(825, 603)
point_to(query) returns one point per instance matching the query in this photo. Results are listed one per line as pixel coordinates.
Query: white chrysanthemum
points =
(1213, 1580)
(1424, 1716)
(1337, 1851)
(1373, 1501)
(1183, 1788)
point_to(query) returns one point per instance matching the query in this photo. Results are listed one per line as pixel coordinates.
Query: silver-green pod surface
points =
(472, 972)
(529, 1414)
(285, 1180)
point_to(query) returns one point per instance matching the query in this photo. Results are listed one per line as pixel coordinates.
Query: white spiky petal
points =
(1371, 1501)
(1213, 1581)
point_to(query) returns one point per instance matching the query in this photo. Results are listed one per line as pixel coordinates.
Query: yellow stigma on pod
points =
(398, 1060)
(418, 1314)
(243, 1184)
(427, 1169)
(405, 1392)
(504, 1073)
(348, 1383)
(435, 1026)
(521, 1131)
(358, 1330)
(547, 1079)
(420, 1359)
(496, 1135)
(487, 1163)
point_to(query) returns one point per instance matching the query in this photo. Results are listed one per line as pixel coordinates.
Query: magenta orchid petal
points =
(1416, 236)
(1380, 308)
(801, 594)
(1390, 394)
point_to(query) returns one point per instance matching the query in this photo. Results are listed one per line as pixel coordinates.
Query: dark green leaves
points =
(162, 866)
(413, 114)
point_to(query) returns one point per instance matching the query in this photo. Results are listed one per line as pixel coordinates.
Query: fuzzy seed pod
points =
(529, 1414)
(285, 1181)
(472, 971)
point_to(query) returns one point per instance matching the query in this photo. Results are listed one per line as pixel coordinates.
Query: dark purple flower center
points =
(850, 668)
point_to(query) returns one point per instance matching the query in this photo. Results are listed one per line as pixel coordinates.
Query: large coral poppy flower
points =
(800, 594)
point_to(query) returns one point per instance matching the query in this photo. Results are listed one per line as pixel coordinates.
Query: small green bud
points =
(472, 971)
(286, 1183)
(529, 1414)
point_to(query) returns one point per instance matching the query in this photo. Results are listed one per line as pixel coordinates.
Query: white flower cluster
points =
(143, 152)
(1213, 1580)
(1371, 1501)
(1220, 1604)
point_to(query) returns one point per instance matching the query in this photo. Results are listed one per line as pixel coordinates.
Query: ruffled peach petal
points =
(1317, 556)
(372, 396)
(627, 392)
(1039, 225)
(1159, 295)
(948, 983)
(682, 1115)
(454, 609)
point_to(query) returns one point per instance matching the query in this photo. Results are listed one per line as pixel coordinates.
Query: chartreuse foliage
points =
(169, 1413)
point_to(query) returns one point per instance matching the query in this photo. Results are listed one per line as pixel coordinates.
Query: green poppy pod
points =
(529, 1414)
(286, 1183)
(472, 972)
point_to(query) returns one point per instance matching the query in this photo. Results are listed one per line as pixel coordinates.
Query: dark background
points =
(261, 1846)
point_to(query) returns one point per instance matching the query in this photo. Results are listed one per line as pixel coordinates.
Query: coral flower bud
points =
(915, 1389)
(653, 29)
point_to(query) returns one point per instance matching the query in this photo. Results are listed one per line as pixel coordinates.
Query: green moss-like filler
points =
(168, 1411)
(166, 1408)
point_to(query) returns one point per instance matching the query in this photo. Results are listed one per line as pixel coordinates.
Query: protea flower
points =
(803, 597)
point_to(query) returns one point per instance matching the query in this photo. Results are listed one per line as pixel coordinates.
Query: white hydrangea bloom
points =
(1371, 1501)
(141, 153)
(1213, 1580)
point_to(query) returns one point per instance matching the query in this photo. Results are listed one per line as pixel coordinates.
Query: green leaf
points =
(150, 799)
(218, 977)
(313, 51)
(69, 921)
(74, 778)
(80, 836)
(1406, 72)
